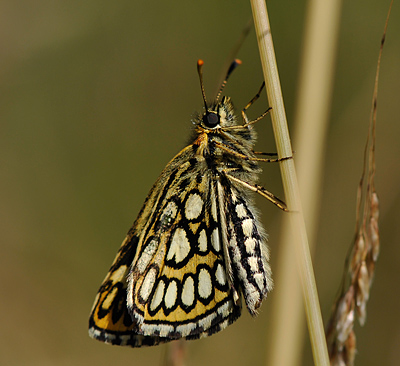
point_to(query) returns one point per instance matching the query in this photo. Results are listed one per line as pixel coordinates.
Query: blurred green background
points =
(97, 96)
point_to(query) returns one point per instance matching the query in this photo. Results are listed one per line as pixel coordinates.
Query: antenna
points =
(210, 119)
(233, 66)
(235, 50)
(200, 64)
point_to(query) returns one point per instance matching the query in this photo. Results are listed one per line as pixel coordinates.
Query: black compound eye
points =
(211, 119)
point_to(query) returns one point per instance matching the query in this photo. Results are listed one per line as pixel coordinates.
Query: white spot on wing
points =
(252, 296)
(236, 254)
(225, 309)
(163, 330)
(250, 244)
(146, 256)
(259, 278)
(247, 226)
(169, 213)
(203, 241)
(148, 284)
(241, 211)
(215, 239)
(253, 263)
(214, 205)
(207, 321)
(193, 207)
(171, 294)
(158, 295)
(205, 283)
(188, 291)
(220, 274)
(180, 246)
(186, 329)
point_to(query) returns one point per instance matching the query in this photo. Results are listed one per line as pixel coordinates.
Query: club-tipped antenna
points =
(233, 66)
(200, 64)
(235, 50)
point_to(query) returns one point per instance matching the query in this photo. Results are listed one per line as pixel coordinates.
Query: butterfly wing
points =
(171, 277)
(246, 242)
(110, 321)
(179, 283)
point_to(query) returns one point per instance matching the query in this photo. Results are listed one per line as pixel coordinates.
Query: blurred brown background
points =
(97, 96)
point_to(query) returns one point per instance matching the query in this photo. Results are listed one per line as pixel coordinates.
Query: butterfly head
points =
(218, 114)
(211, 119)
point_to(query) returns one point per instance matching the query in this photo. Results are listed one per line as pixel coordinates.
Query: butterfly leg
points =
(249, 104)
(264, 153)
(273, 154)
(245, 157)
(277, 160)
(260, 190)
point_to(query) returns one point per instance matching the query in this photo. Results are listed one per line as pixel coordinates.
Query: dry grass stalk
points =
(311, 120)
(297, 227)
(176, 353)
(361, 263)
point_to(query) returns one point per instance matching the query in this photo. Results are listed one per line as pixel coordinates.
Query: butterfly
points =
(197, 246)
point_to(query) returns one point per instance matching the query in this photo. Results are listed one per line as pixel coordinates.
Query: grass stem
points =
(290, 185)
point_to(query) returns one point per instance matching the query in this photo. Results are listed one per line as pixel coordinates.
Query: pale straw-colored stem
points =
(311, 121)
(290, 185)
